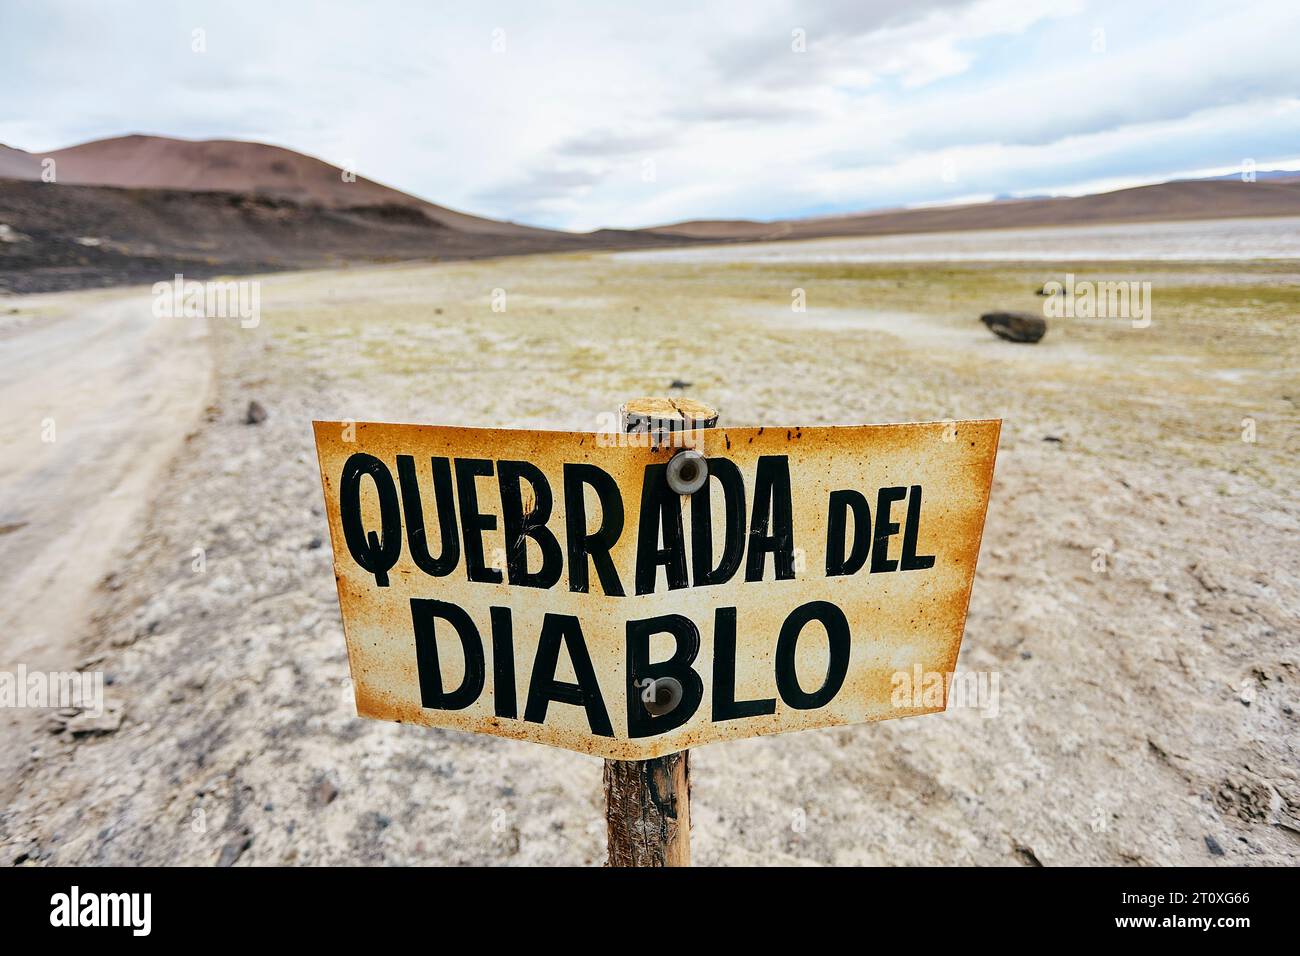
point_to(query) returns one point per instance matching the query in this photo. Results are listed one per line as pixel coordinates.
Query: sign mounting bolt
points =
(687, 472)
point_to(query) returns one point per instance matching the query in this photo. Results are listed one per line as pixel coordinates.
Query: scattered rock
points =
(255, 415)
(678, 383)
(324, 792)
(233, 850)
(86, 724)
(1248, 798)
(1027, 856)
(1212, 845)
(57, 722)
(1053, 438)
(1016, 326)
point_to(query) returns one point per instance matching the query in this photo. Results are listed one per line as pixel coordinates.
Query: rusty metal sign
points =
(554, 587)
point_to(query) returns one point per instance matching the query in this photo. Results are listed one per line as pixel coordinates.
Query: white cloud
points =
(588, 114)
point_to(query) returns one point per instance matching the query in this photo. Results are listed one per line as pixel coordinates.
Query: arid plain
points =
(1138, 588)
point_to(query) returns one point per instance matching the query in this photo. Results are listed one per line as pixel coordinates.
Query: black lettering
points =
(733, 542)
(885, 529)
(432, 695)
(413, 511)
(725, 705)
(661, 510)
(772, 526)
(837, 634)
(564, 629)
(837, 530)
(503, 663)
(520, 525)
(640, 722)
(599, 543)
(911, 560)
(375, 553)
(472, 522)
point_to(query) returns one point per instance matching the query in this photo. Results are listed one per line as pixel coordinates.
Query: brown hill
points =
(17, 164)
(140, 208)
(66, 237)
(162, 162)
(1187, 199)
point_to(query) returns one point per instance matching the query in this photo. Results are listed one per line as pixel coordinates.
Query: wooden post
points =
(648, 802)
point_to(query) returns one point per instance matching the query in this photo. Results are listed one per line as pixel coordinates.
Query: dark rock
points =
(1212, 845)
(1026, 855)
(56, 723)
(1056, 439)
(255, 415)
(1015, 326)
(233, 850)
(678, 383)
(324, 792)
(86, 724)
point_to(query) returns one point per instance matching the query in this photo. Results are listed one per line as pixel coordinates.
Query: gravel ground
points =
(1137, 595)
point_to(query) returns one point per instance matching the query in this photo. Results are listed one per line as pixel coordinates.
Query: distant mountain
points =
(16, 164)
(69, 237)
(137, 209)
(1268, 175)
(1185, 199)
(219, 165)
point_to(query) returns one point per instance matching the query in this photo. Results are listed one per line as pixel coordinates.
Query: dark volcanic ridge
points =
(63, 237)
(137, 208)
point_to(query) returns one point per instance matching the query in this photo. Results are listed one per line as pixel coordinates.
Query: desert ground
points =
(1138, 590)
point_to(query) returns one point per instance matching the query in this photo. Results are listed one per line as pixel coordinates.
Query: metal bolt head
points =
(687, 472)
(661, 696)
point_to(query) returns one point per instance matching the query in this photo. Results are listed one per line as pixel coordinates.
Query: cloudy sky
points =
(580, 115)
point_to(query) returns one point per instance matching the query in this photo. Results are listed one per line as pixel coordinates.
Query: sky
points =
(582, 115)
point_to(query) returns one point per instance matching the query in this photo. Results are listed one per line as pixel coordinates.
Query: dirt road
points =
(98, 396)
(1137, 593)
